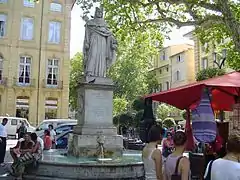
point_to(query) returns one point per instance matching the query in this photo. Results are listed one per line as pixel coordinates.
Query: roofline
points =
(181, 52)
(74, 1)
(177, 45)
(189, 33)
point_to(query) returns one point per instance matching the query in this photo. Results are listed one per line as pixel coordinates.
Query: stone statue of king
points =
(99, 47)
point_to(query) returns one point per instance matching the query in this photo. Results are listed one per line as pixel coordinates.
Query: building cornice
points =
(73, 2)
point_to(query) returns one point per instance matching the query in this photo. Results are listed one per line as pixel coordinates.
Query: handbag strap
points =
(176, 168)
(209, 170)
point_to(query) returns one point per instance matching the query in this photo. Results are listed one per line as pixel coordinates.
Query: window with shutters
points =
(177, 76)
(56, 7)
(27, 28)
(204, 63)
(52, 72)
(54, 32)
(28, 3)
(167, 85)
(24, 70)
(3, 19)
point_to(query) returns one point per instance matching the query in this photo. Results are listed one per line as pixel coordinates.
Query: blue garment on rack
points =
(203, 121)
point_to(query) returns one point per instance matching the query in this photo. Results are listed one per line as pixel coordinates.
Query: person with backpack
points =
(228, 167)
(177, 167)
(22, 130)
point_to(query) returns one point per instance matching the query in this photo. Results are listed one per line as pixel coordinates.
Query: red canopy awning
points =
(224, 90)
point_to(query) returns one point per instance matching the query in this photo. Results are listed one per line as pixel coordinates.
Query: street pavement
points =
(8, 160)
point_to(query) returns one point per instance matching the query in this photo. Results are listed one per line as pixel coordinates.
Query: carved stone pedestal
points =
(95, 100)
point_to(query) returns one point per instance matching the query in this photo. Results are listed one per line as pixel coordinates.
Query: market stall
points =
(224, 95)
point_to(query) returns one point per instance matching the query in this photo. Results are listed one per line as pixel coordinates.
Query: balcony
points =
(24, 82)
(54, 84)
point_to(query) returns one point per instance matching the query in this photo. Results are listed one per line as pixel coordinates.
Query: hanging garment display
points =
(203, 121)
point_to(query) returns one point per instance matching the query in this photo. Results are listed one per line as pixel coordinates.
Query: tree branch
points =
(170, 20)
(203, 4)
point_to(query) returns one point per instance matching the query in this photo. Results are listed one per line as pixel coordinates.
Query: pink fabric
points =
(47, 142)
(165, 143)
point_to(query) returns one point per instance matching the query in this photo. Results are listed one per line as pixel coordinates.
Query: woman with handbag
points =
(177, 167)
(152, 156)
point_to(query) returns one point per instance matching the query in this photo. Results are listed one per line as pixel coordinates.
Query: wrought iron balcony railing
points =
(24, 82)
(51, 83)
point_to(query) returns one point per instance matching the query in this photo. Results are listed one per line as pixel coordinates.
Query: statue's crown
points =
(99, 9)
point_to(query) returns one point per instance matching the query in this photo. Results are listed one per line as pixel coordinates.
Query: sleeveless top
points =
(170, 165)
(149, 167)
(223, 169)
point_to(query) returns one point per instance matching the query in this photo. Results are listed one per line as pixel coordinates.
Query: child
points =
(47, 140)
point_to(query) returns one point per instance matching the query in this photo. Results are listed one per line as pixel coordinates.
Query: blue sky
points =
(77, 33)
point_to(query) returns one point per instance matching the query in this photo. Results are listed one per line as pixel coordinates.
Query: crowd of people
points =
(172, 164)
(28, 149)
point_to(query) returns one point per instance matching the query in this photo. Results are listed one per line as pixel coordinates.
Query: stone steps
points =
(32, 177)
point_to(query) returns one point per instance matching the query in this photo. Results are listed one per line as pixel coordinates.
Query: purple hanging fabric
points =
(203, 121)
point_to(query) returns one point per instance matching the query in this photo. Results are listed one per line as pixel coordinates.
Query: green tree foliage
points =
(119, 106)
(137, 118)
(184, 114)
(164, 111)
(125, 119)
(75, 75)
(168, 123)
(209, 73)
(213, 20)
(131, 71)
(138, 104)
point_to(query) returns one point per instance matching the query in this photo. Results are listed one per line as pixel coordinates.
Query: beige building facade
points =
(174, 66)
(207, 54)
(182, 67)
(35, 58)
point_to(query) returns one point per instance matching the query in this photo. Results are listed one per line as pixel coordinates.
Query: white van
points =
(55, 122)
(14, 123)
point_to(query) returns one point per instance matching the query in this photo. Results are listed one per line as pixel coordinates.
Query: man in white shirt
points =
(3, 140)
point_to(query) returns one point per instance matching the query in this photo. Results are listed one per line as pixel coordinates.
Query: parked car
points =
(62, 140)
(64, 127)
(61, 128)
(14, 123)
(55, 122)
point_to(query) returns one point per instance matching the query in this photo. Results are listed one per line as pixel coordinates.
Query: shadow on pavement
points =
(4, 172)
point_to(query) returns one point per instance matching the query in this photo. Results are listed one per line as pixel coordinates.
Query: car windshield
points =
(25, 122)
(43, 126)
(63, 128)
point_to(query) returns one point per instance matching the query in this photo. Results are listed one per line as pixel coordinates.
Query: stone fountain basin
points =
(57, 166)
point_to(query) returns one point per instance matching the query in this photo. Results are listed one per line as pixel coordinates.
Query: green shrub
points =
(169, 122)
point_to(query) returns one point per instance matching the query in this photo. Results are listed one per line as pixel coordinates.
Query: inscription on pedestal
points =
(99, 106)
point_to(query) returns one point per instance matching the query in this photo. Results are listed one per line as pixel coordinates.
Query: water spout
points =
(100, 149)
(100, 145)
